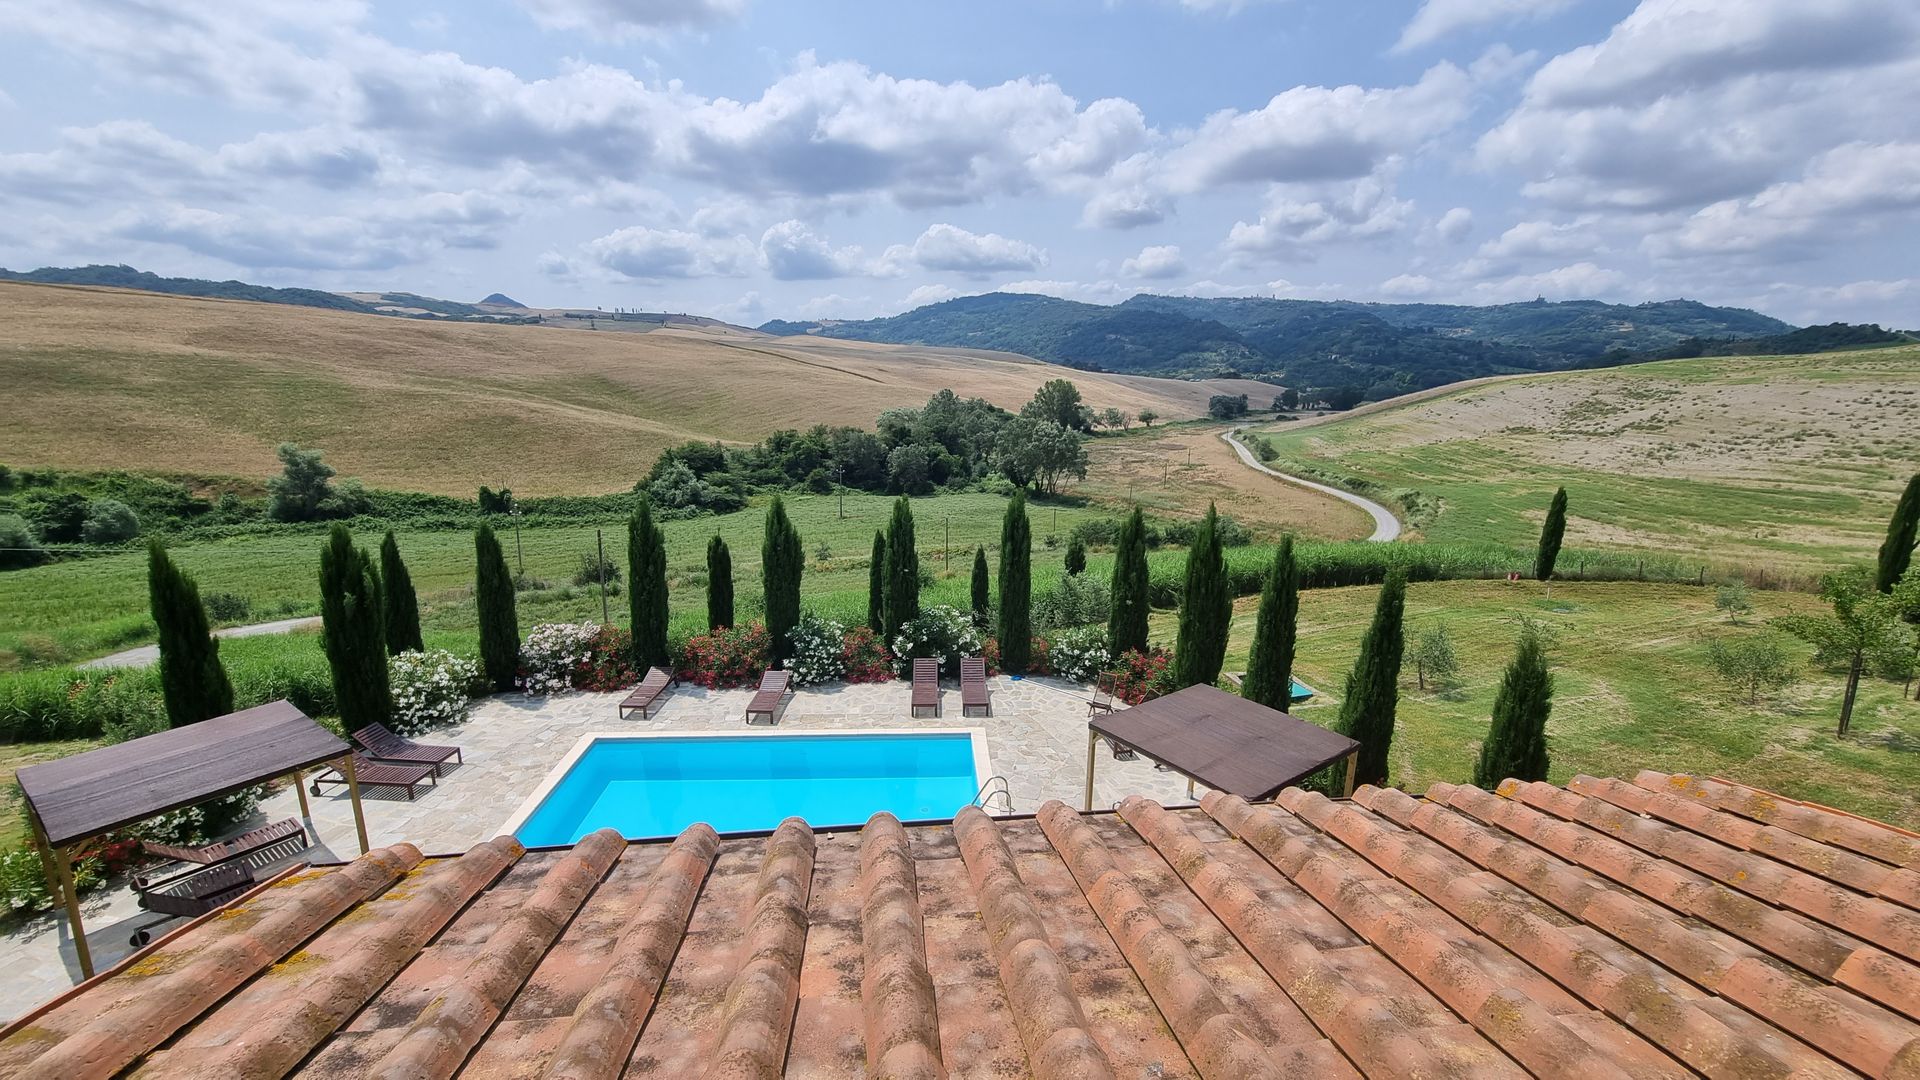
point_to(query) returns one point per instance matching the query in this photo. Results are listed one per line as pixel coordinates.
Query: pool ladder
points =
(988, 792)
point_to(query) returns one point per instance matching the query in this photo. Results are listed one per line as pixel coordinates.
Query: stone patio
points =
(1037, 740)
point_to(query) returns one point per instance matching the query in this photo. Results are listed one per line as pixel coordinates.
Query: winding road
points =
(1386, 527)
(145, 655)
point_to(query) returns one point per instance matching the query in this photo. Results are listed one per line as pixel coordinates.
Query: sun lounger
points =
(774, 685)
(926, 686)
(369, 773)
(647, 693)
(973, 686)
(198, 858)
(204, 891)
(382, 744)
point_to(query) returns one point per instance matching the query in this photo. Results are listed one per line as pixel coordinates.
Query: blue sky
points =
(754, 159)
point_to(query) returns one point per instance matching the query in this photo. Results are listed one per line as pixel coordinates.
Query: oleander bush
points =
(864, 657)
(1080, 654)
(551, 653)
(432, 689)
(733, 656)
(939, 631)
(1138, 675)
(819, 650)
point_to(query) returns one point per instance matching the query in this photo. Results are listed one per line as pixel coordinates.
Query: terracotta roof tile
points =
(1669, 926)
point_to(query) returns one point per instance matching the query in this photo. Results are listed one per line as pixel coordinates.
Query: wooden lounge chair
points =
(774, 685)
(973, 685)
(647, 693)
(204, 891)
(199, 858)
(1102, 701)
(926, 685)
(383, 745)
(370, 773)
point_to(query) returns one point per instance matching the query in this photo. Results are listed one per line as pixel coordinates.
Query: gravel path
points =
(149, 654)
(1386, 527)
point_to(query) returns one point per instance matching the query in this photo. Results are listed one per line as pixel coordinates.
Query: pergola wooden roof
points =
(93, 793)
(1222, 741)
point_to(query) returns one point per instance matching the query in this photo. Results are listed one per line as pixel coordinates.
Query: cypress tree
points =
(1551, 533)
(1016, 587)
(1270, 667)
(1076, 556)
(402, 614)
(499, 622)
(1373, 687)
(647, 586)
(782, 558)
(877, 585)
(1206, 607)
(1516, 745)
(982, 596)
(719, 584)
(1902, 531)
(903, 569)
(1127, 626)
(192, 680)
(353, 631)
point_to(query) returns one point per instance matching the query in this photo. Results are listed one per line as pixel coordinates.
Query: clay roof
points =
(1663, 927)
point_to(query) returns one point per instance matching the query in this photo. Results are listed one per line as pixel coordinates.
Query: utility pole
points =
(840, 471)
(513, 509)
(946, 544)
(600, 545)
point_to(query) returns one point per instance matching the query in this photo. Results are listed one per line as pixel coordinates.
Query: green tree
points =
(192, 681)
(18, 546)
(1206, 607)
(1516, 745)
(353, 632)
(109, 521)
(1551, 533)
(1373, 687)
(1903, 530)
(305, 482)
(400, 612)
(1269, 678)
(499, 621)
(1752, 665)
(1148, 416)
(903, 570)
(1016, 587)
(1076, 561)
(647, 586)
(877, 585)
(1865, 623)
(1127, 625)
(1734, 599)
(1433, 657)
(982, 595)
(719, 584)
(1058, 400)
(782, 560)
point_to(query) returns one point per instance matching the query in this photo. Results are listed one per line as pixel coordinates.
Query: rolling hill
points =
(104, 378)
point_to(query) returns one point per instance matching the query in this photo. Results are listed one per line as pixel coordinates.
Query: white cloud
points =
(657, 254)
(1578, 281)
(1156, 262)
(951, 248)
(267, 239)
(1454, 225)
(1091, 292)
(1292, 225)
(791, 251)
(1409, 286)
(1439, 18)
(932, 293)
(619, 19)
(1532, 239)
(1841, 191)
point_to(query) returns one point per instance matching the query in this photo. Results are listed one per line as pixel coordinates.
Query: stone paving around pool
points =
(1037, 740)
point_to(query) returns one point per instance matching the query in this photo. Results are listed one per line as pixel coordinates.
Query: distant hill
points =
(501, 300)
(126, 277)
(1832, 337)
(1383, 349)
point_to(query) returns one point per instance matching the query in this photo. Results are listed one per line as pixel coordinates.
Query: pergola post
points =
(300, 789)
(353, 792)
(1093, 743)
(59, 867)
(1353, 763)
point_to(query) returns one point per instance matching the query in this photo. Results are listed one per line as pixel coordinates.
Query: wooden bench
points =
(647, 693)
(774, 686)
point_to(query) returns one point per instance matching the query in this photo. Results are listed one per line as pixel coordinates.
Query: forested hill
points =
(1378, 350)
(126, 277)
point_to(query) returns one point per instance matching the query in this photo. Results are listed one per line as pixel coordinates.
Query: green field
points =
(1633, 690)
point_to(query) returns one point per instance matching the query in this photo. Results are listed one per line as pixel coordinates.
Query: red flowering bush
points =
(1138, 676)
(1039, 662)
(727, 657)
(609, 662)
(866, 656)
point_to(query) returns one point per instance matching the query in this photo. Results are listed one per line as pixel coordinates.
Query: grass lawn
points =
(14, 756)
(1633, 690)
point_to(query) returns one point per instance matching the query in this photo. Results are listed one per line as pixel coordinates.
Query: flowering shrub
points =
(551, 654)
(818, 650)
(1079, 655)
(1138, 676)
(726, 657)
(1039, 661)
(864, 657)
(430, 689)
(939, 631)
(202, 823)
(609, 663)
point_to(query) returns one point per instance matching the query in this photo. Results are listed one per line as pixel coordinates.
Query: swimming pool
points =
(1301, 691)
(653, 785)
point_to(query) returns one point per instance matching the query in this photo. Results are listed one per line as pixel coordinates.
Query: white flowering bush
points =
(942, 632)
(1081, 654)
(202, 823)
(430, 689)
(818, 650)
(552, 653)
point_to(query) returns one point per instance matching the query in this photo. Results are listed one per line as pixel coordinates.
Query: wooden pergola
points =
(77, 798)
(1221, 741)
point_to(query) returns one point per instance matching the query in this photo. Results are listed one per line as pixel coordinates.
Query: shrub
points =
(733, 656)
(431, 689)
(551, 654)
(1075, 600)
(18, 547)
(864, 657)
(109, 521)
(819, 646)
(227, 606)
(1733, 599)
(1038, 651)
(1080, 654)
(23, 884)
(592, 563)
(1139, 675)
(942, 632)
(609, 664)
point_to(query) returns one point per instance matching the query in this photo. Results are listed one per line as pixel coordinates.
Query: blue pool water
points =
(658, 787)
(1301, 691)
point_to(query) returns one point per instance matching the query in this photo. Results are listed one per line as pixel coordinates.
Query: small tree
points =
(903, 570)
(1751, 666)
(783, 559)
(1433, 657)
(1373, 687)
(647, 587)
(1058, 400)
(353, 632)
(1551, 533)
(1206, 607)
(303, 485)
(982, 591)
(1516, 745)
(1903, 530)
(499, 621)
(1113, 418)
(1733, 599)
(1864, 624)
(109, 521)
(1127, 626)
(1016, 587)
(877, 584)
(401, 609)
(192, 682)
(1269, 678)
(1076, 561)
(1148, 416)
(719, 584)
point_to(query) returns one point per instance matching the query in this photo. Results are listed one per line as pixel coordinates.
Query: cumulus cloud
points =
(932, 293)
(619, 19)
(656, 254)
(270, 240)
(1454, 225)
(791, 251)
(1840, 192)
(1437, 19)
(951, 248)
(1293, 225)
(1532, 239)
(1156, 262)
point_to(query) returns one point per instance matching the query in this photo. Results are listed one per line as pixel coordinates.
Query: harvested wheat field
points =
(1176, 472)
(108, 378)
